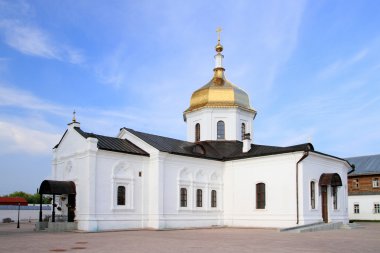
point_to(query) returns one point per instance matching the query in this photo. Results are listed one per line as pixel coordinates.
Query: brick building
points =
(364, 188)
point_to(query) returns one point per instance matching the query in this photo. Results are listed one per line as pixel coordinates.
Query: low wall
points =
(26, 212)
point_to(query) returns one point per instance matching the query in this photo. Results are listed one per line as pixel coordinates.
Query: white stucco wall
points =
(366, 207)
(208, 118)
(153, 200)
(27, 213)
(311, 170)
(241, 177)
(192, 174)
(113, 170)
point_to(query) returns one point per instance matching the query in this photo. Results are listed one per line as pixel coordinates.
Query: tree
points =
(31, 198)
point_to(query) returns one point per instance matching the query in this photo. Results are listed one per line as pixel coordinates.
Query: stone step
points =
(321, 226)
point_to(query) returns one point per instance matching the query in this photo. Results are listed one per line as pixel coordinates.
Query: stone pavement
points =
(364, 239)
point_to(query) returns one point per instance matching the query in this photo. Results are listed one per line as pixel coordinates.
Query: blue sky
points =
(311, 69)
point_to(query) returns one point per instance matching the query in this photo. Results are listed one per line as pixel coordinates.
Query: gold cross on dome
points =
(74, 118)
(219, 30)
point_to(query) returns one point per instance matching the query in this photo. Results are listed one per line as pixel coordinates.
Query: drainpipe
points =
(352, 168)
(305, 154)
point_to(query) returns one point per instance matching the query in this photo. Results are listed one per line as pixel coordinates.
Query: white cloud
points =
(15, 138)
(31, 40)
(341, 65)
(14, 97)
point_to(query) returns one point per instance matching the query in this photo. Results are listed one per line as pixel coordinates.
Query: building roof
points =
(13, 201)
(219, 92)
(216, 150)
(111, 143)
(365, 165)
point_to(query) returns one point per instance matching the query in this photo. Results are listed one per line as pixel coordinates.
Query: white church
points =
(218, 177)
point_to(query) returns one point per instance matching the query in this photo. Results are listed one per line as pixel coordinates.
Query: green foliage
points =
(31, 198)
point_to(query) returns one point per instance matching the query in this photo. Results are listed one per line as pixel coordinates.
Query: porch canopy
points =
(332, 179)
(57, 187)
(53, 187)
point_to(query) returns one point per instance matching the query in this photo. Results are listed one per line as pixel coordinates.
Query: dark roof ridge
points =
(216, 141)
(223, 150)
(156, 135)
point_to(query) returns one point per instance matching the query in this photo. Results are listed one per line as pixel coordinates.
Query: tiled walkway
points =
(365, 239)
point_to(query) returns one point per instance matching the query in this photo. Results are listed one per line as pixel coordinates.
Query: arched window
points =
(183, 197)
(197, 132)
(312, 194)
(260, 196)
(213, 198)
(220, 130)
(335, 196)
(242, 131)
(199, 198)
(121, 195)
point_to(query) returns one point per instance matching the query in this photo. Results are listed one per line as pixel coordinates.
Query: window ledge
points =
(120, 209)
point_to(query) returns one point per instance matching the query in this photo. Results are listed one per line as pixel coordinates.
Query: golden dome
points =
(219, 92)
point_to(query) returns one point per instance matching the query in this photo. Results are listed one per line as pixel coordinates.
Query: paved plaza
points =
(363, 239)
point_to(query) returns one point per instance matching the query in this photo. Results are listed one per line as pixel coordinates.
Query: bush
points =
(31, 198)
(7, 220)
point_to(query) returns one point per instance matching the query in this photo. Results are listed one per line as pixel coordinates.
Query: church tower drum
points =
(219, 110)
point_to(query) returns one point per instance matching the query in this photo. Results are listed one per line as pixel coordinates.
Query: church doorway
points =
(324, 204)
(326, 180)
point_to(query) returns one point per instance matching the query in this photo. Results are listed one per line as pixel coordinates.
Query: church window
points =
(183, 197)
(376, 208)
(121, 195)
(312, 194)
(356, 208)
(335, 197)
(199, 198)
(355, 183)
(213, 198)
(242, 131)
(220, 130)
(197, 132)
(260, 196)
(375, 183)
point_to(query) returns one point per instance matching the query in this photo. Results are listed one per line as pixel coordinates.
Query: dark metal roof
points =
(57, 187)
(217, 150)
(365, 165)
(111, 143)
(332, 179)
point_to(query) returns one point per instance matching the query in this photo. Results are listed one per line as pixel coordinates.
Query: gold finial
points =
(74, 119)
(219, 47)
